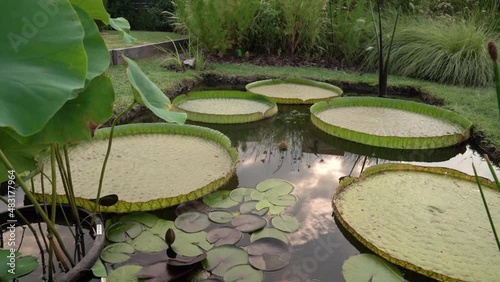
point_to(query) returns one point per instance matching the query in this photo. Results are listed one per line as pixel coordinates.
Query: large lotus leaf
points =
(121, 231)
(126, 273)
(20, 156)
(190, 244)
(248, 222)
(224, 236)
(95, 47)
(269, 254)
(220, 259)
(152, 97)
(42, 62)
(149, 243)
(368, 267)
(243, 273)
(122, 25)
(241, 194)
(269, 233)
(220, 216)
(286, 223)
(23, 265)
(116, 253)
(77, 119)
(219, 199)
(192, 222)
(94, 8)
(145, 218)
(250, 207)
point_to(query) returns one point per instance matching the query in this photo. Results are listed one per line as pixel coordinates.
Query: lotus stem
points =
(108, 152)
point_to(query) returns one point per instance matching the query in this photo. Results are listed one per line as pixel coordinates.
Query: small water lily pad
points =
(250, 207)
(269, 254)
(278, 186)
(282, 201)
(147, 219)
(243, 273)
(286, 223)
(269, 233)
(241, 194)
(118, 252)
(161, 227)
(368, 267)
(121, 231)
(191, 244)
(220, 216)
(248, 222)
(149, 243)
(220, 259)
(99, 269)
(24, 265)
(192, 222)
(224, 236)
(126, 273)
(219, 199)
(271, 209)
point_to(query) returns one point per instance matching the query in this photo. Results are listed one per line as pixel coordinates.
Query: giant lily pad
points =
(390, 123)
(157, 154)
(220, 259)
(366, 267)
(295, 91)
(225, 106)
(269, 254)
(429, 220)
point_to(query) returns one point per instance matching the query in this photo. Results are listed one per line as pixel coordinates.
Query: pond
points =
(314, 163)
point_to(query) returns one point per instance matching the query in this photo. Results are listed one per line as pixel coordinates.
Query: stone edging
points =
(144, 51)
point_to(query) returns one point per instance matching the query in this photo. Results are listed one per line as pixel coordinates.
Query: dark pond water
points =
(314, 163)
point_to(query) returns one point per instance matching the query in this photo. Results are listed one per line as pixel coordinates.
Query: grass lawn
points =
(477, 104)
(113, 39)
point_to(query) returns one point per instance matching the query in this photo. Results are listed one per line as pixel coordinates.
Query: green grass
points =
(113, 39)
(476, 104)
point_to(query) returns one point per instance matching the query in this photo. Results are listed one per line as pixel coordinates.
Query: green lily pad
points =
(241, 194)
(190, 244)
(248, 222)
(271, 209)
(99, 269)
(121, 231)
(269, 254)
(24, 265)
(118, 252)
(149, 243)
(283, 201)
(368, 267)
(286, 223)
(126, 273)
(192, 222)
(250, 207)
(243, 273)
(221, 258)
(220, 217)
(278, 186)
(269, 233)
(219, 199)
(195, 205)
(224, 236)
(147, 219)
(161, 226)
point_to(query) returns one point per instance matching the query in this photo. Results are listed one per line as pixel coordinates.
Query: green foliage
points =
(445, 51)
(150, 16)
(218, 25)
(265, 34)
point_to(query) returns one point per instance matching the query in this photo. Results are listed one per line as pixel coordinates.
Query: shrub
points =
(449, 51)
(148, 16)
(265, 33)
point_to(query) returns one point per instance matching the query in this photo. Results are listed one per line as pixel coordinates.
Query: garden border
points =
(146, 50)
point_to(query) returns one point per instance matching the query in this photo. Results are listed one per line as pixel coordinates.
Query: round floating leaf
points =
(269, 233)
(219, 199)
(248, 222)
(126, 273)
(147, 219)
(368, 267)
(220, 259)
(271, 209)
(190, 244)
(184, 261)
(278, 186)
(249, 207)
(116, 253)
(196, 205)
(241, 194)
(192, 222)
(269, 254)
(161, 227)
(283, 201)
(220, 217)
(149, 243)
(24, 265)
(224, 236)
(243, 273)
(286, 223)
(99, 269)
(122, 230)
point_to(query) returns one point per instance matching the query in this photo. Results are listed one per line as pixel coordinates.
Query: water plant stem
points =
(108, 152)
